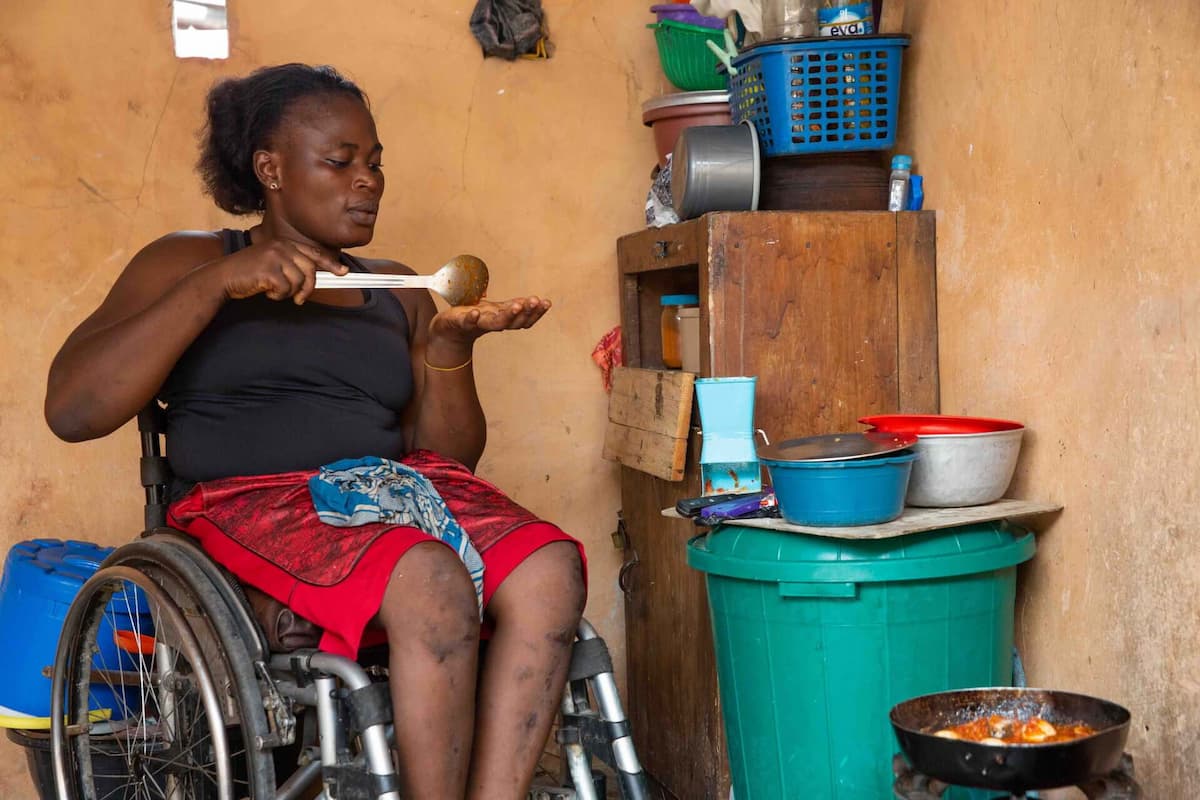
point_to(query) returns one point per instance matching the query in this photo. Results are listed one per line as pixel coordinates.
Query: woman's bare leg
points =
(535, 612)
(431, 617)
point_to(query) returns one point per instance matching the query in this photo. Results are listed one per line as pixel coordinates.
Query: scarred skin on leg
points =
(432, 621)
(465, 729)
(536, 612)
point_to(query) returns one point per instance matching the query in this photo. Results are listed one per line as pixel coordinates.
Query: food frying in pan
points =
(996, 729)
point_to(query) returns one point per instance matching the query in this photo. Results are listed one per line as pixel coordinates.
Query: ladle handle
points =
(363, 280)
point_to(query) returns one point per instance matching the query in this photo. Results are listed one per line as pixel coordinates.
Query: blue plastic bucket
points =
(864, 491)
(41, 579)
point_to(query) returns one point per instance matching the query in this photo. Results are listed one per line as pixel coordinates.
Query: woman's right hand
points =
(278, 268)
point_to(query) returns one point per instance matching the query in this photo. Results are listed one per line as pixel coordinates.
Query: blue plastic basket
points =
(820, 95)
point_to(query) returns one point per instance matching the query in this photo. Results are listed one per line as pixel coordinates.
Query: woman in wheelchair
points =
(276, 391)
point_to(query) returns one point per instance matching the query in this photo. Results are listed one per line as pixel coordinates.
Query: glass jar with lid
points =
(672, 355)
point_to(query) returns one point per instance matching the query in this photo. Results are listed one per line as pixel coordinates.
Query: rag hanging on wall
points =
(511, 29)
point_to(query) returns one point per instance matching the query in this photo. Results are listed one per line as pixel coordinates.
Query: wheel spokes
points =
(159, 738)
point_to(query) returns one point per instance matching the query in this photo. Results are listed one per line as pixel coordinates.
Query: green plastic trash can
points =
(817, 638)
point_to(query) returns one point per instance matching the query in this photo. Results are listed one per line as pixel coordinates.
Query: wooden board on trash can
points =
(648, 416)
(912, 520)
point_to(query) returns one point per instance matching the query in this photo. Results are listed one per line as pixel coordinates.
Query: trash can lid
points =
(52, 568)
(775, 556)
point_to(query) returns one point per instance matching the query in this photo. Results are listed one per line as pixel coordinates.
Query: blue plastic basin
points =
(864, 491)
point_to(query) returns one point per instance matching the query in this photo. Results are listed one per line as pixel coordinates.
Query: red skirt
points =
(265, 531)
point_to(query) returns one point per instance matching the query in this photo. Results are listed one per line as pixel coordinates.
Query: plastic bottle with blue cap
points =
(898, 190)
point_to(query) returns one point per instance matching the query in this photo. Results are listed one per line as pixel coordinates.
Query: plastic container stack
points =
(820, 89)
(681, 34)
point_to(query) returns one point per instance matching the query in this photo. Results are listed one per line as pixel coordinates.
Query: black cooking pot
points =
(1014, 768)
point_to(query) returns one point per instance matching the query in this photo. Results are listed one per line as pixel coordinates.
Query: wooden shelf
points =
(835, 314)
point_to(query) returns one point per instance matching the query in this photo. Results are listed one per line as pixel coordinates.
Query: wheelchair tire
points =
(145, 641)
(240, 639)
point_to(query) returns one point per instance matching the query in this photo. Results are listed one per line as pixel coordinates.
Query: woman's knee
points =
(546, 590)
(567, 568)
(430, 598)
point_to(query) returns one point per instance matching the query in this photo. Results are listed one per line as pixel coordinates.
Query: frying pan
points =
(1015, 768)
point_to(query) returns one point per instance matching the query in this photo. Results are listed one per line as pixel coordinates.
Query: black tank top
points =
(272, 387)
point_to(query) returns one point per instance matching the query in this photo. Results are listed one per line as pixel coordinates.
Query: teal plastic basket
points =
(686, 59)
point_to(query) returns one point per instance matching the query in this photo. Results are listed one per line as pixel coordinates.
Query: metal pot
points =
(1015, 768)
(715, 168)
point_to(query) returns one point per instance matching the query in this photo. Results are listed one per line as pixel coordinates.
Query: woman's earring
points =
(274, 185)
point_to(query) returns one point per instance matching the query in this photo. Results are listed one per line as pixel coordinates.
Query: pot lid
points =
(684, 99)
(837, 446)
(930, 424)
(766, 556)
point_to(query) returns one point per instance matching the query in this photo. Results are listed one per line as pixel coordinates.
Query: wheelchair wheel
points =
(142, 705)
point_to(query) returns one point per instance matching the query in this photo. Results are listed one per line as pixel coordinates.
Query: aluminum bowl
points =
(963, 469)
(965, 461)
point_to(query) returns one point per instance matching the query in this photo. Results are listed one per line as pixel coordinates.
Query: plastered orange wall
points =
(1059, 141)
(535, 166)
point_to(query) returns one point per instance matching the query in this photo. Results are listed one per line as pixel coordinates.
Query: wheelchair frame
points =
(248, 691)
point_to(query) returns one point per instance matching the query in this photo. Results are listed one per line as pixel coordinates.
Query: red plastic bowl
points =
(933, 424)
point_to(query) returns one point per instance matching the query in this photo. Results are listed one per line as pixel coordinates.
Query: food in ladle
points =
(995, 729)
(464, 281)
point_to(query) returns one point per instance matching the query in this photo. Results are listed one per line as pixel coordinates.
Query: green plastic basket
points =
(686, 59)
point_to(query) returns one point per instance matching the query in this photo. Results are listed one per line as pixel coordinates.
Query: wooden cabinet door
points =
(826, 313)
(673, 706)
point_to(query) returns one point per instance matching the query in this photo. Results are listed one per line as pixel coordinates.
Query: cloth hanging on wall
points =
(511, 28)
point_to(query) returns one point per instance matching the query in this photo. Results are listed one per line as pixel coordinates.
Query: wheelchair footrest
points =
(551, 793)
(353, 782)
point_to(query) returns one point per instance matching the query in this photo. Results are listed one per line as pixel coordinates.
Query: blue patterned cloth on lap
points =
(357, 491)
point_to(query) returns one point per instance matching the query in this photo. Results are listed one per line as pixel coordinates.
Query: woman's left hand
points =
(467, 323)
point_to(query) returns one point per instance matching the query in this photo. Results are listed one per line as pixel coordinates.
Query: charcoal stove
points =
(1117, 785)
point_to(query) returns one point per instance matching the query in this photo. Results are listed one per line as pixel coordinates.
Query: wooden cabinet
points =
(835, 314)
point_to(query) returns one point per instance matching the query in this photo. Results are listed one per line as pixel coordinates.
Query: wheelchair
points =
(165, 688)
